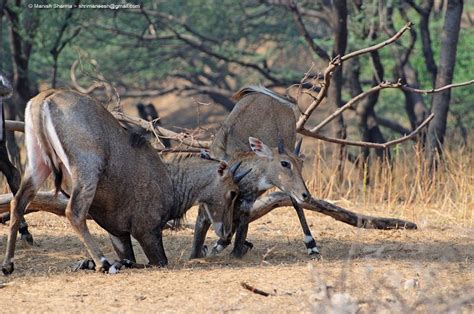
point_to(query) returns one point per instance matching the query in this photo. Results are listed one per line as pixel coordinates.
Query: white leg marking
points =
(113, 270)
(218, 247)
(308, 238)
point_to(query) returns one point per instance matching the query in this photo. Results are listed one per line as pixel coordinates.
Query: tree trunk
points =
(440, 105)
(21, 44)
(339, 25)
(426, 39)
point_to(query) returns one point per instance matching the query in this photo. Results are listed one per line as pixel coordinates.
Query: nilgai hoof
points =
(105, 267)
(312, 249)
(7, 269)
(219, 246)
(204, 251)
(28, 238)
(239, 252)
(86, 264)
(115, 268)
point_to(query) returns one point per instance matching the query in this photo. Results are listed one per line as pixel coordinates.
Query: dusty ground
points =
(429, 269)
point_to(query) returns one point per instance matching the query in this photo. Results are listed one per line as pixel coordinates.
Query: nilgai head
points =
(220, 202)
(283, 169)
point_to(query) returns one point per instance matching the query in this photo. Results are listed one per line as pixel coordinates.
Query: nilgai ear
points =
(260, 148)
(204, 154)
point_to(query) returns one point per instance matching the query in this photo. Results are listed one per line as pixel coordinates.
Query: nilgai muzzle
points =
(126, 190)
(261, 132)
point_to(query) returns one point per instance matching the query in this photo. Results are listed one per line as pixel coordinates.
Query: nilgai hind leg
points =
(82, 195)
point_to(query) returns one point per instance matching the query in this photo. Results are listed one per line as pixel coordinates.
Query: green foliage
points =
(239, 32)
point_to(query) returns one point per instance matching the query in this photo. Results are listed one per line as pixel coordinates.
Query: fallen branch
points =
(48, 202)
(279, 199)
(255, 290)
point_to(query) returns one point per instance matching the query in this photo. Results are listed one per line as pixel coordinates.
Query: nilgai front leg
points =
(151, 242)
(309, 241)
(200, 230)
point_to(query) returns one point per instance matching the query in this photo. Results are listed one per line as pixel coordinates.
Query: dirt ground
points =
(430, 269)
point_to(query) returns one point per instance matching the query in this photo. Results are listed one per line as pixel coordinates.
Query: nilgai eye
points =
(285, 164)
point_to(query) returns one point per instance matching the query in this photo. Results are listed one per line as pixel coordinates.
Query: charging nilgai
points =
(126, 190)
(266, 121)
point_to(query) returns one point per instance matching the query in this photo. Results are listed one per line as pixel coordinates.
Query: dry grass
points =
(406, 187)
(427, 270)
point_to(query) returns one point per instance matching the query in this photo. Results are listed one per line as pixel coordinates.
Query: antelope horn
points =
(238, 177)
(281, 146)
(234, 167)
(298, 147)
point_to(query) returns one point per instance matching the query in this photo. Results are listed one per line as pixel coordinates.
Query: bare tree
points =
(59, 43)
(440, 105)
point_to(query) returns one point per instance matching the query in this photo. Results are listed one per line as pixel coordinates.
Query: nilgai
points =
(261, 132)
(6, 167)
(126, 190)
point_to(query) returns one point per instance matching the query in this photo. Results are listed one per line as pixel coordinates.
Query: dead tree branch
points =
(336, 62)
(255, 290)
(149, 126)
(369, 144)
(189, 140)
(279, 199)
(48, 202)
(77, 86)
(383, 85)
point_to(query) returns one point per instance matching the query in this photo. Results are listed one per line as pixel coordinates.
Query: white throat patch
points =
(264, 185)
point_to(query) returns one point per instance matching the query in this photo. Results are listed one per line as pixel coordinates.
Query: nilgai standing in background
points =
(261, 132)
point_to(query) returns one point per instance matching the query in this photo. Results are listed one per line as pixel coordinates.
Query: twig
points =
(435, 90)
(368, 144)
(255, 290)
(183, 138)
(378, 46)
